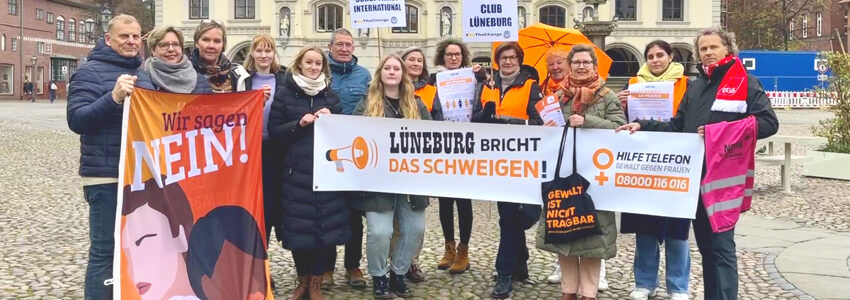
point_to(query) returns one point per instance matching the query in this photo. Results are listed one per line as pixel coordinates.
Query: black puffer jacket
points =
(309, 219)
(93, 114)
(695, 108)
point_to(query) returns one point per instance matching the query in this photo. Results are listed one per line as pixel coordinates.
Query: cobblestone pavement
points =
(43, 225)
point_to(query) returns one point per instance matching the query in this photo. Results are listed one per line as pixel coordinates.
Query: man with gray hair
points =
(95, 109)
(351, 82)
(723, 92)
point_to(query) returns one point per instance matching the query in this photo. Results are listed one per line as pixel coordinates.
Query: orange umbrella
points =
(536, 39)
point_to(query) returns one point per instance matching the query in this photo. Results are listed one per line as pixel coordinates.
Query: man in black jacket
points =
(717, 52)
(95, 107)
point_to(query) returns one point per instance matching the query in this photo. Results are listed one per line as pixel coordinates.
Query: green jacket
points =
(371, 201)
(604, 113)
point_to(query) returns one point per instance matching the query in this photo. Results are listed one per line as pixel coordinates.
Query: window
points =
(805, 27)
(671, 10)
(553, 15)
(48, 48)
(412, 21)
(39, 14)
(625, 10)
(819, 30)
(13, 7)
(7, 79)
(244, 9)
(40, 47)
(62, 68)
(60, 28)
(3, 43)
(14, 44)
(329, 17)
(50, 18)
(199, 9)
(72, 30)
(82, 36)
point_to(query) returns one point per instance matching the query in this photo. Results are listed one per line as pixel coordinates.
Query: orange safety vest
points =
(514, 103)
(427, 94)
(678, 90)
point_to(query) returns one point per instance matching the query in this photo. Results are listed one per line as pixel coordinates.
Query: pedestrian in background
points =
(95, 109)
(53, 89)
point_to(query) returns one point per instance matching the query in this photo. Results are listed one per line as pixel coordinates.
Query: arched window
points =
(239, 56)
(553, 15)
(60, 28)
(3, 43)
(819, 30)
(625, 62)
(82, 36)
(328, 17)
(412, 21)
(72, 30)
(285, 22)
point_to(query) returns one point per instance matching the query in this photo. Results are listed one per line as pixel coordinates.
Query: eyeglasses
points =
(166, 46)
(508, 58)
(343, 45)
(453, 54)
(577, 63)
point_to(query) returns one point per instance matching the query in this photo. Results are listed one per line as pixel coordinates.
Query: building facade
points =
(296, 23)
(812, 28)
(55, 41)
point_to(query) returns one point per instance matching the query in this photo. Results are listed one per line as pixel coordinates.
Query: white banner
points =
(490, 21)
(647, 172)
(652, 173)
(456, 89)
(377, 13)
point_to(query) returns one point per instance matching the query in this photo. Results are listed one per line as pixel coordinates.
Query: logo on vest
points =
(733, 150)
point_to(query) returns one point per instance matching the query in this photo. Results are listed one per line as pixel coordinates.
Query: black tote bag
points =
(570, 213)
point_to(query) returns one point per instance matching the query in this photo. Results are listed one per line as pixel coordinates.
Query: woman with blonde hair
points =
(311, 223)
(391, 95)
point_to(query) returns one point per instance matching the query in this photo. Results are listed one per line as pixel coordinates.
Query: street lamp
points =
(845, 4)
(105, 16)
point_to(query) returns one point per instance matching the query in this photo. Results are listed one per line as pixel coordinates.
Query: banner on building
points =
(377, 13)
(647, 172)
(189, 223)
(490, 21)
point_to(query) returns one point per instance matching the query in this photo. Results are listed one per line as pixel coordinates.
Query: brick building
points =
(818, 29)
(55, 41)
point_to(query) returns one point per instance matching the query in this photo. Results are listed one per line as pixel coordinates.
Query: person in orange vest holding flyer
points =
(417, 71)
(659, 66)
(652, 231)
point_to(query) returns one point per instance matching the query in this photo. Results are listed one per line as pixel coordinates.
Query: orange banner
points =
(190, 212)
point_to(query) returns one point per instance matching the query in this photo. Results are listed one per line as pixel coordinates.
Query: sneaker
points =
(679, 296)
(603, 283)
(641, 294)
(555, 277)
(381, 288)
(398, 286)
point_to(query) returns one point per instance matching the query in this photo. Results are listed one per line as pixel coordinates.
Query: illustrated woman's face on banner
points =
(154, 256)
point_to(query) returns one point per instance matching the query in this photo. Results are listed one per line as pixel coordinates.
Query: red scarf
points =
(582, 91)
(732, 92)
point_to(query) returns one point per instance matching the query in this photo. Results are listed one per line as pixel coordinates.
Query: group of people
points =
(312, 224)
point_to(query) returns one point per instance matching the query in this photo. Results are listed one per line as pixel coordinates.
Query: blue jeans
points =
(102, 201)
(379, 226)
(512, 256)
(52, 95)
(647, 260)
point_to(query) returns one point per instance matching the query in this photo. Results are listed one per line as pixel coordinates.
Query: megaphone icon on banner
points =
(360, 153)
